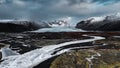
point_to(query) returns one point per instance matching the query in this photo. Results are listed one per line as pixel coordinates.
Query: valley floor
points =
(104, 53)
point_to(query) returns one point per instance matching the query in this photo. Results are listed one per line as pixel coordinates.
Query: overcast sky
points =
(70, 10)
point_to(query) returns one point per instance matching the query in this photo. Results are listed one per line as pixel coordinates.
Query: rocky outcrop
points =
(106, 23)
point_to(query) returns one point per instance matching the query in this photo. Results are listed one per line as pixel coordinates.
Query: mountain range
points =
(103, 23)
(19, 25)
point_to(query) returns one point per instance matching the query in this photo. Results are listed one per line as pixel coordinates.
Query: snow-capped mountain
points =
(105, 23)
(59, 23)
(20, 25)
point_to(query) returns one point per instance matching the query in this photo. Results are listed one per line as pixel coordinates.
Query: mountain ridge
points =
(105, 23)
(19, 25)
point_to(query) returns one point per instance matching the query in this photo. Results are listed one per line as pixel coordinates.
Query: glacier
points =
(59, 29)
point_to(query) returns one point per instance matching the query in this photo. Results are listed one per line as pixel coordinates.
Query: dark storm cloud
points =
(56, 9)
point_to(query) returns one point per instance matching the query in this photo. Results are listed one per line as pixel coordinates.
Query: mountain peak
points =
(59, 23)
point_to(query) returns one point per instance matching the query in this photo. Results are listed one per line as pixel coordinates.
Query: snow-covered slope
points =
(105, 23)
(114, 17)
(7, 20)
(35, 57)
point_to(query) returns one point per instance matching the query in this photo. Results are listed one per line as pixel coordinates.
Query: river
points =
(38, 56)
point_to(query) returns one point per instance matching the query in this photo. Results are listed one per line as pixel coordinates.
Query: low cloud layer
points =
(48, 10)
